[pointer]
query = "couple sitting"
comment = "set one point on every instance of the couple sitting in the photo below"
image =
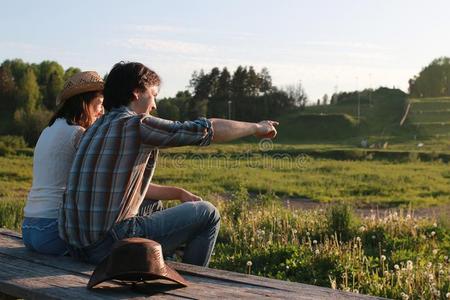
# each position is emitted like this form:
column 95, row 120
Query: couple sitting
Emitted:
column 92, row 172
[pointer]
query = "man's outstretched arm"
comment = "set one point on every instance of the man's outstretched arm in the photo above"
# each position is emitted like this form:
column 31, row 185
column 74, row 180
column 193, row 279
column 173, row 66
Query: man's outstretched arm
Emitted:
column 228, row 130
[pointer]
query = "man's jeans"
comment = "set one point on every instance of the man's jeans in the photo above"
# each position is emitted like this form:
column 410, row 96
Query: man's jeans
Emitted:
column 195, row 224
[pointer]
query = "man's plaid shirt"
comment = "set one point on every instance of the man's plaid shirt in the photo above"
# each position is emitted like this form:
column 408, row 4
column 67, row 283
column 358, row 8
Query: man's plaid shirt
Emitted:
column 113, row 168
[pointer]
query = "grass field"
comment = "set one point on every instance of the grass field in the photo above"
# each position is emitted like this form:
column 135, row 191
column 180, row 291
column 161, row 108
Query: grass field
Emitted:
column 215, row 171
column 391, row 253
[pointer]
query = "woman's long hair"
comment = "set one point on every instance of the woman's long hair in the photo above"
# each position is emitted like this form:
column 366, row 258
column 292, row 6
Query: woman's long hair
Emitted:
column 76, row 110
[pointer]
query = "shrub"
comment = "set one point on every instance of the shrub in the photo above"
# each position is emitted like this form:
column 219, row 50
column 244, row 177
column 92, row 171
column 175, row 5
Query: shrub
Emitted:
column 13, row 141
column 31, row 124
column 341, row 221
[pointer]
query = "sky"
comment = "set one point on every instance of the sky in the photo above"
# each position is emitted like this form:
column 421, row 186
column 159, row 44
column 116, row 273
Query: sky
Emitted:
column 335, row 45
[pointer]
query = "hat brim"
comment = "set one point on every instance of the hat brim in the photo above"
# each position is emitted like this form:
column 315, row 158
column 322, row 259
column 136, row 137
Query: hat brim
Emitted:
column 100, row 275
column 78, row 89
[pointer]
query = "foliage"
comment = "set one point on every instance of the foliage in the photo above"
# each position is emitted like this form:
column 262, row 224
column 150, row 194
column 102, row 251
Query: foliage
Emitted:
column 31, row 124
column 392, row 256
column 246, row 95
column 433, row 80
column 9, row 144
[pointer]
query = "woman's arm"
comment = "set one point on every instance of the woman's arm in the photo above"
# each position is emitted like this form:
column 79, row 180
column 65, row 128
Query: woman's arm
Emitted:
column 228, row 130
column 163, row 192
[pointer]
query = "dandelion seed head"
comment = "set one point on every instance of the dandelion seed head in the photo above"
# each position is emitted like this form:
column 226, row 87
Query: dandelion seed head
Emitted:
column 315, row 242
column 397, row 267
column 249, row 263
column 433, row 233
column 409, row 265
column 383, row 257
column 317, row 252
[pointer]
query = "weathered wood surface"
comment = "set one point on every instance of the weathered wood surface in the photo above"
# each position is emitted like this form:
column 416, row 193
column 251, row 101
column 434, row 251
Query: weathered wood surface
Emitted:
column 31, row 275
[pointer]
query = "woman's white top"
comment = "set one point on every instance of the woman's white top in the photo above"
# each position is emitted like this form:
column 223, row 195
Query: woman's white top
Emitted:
column 53, row 157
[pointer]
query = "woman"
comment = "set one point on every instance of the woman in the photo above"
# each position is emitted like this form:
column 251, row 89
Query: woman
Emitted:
column 79, row 105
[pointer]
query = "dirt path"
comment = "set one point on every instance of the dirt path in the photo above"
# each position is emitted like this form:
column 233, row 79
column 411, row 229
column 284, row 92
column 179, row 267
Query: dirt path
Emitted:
column 305, row 203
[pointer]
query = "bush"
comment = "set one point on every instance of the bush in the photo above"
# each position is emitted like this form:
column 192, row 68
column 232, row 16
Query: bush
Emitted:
column 5, row 150
column 13, row 141
column 31, row 124
column 341, row 221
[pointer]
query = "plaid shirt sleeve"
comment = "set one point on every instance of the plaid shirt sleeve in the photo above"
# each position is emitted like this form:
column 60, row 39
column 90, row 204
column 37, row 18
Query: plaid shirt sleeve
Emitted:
column 164, row 133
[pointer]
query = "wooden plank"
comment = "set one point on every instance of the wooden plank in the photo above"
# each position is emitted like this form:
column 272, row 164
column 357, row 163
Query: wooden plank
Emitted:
column 205, row 282
column 203, row 289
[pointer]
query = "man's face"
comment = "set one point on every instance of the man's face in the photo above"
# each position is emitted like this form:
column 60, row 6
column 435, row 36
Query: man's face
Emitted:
column 146, row 100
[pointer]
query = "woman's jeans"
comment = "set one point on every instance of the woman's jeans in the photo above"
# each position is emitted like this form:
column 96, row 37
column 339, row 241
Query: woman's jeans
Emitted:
column 41, row 235
column 195, row 224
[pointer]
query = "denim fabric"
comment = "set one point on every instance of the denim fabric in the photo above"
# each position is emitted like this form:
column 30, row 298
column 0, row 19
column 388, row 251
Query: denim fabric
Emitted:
column 150, row 206
column 41, row 235
column 195, row 224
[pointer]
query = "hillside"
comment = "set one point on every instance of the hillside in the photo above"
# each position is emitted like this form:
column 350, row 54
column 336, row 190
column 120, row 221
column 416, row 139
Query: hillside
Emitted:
column 429, row 117
column 379, row 119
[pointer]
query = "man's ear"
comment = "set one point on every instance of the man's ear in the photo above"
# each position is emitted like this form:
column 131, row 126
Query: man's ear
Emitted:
column 135, row 96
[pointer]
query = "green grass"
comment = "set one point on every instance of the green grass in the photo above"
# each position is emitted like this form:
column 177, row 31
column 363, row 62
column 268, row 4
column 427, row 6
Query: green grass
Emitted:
column 429, row 118
column 393, row 255
column 288, row 174
column 389, row 255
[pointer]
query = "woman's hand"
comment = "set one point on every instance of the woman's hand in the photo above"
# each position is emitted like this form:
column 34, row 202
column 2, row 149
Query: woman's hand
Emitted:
column 266, row 129
column 186, row 196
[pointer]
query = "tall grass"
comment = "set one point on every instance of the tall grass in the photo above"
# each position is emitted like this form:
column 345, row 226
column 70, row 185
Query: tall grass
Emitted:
column 394, row 255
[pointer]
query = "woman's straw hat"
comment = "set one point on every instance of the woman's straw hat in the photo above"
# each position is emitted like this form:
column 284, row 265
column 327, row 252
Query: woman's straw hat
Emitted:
column 79, row 83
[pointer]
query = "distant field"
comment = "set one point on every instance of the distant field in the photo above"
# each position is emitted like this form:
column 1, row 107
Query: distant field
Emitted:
column 296, row 175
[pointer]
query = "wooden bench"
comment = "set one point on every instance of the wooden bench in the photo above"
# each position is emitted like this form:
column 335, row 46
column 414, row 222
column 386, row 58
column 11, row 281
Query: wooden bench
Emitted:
column 29, row 275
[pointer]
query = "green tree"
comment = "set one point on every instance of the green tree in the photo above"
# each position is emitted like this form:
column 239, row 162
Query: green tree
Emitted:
column 433, row 80
column 53, row 87
column 17, row 67
column 253, row 82
column 8, row 89
column 238, row 82
column 70, row 72
column 265, row 81
column 50, row 79
column 28, row 92
column 167, row 109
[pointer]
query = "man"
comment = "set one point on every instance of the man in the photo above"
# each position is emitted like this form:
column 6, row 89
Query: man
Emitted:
column 113, row 168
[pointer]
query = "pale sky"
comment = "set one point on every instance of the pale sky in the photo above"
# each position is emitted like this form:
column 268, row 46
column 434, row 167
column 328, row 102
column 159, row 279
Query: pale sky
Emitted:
column 343, row 44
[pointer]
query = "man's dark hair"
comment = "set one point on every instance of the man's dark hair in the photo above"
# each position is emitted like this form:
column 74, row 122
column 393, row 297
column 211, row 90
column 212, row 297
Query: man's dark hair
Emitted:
column 124, row 78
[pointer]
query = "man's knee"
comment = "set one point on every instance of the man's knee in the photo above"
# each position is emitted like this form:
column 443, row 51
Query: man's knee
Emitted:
column 209, row 211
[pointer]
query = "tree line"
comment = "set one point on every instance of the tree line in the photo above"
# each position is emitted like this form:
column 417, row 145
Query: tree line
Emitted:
column 28, row 96
column 244, row 95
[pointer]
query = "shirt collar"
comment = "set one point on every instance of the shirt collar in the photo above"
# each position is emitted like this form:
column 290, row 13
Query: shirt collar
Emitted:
column 124, row 109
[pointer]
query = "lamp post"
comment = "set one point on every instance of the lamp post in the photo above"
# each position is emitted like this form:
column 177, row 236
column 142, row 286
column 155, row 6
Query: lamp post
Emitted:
column 359, row 100
column 229, row 109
